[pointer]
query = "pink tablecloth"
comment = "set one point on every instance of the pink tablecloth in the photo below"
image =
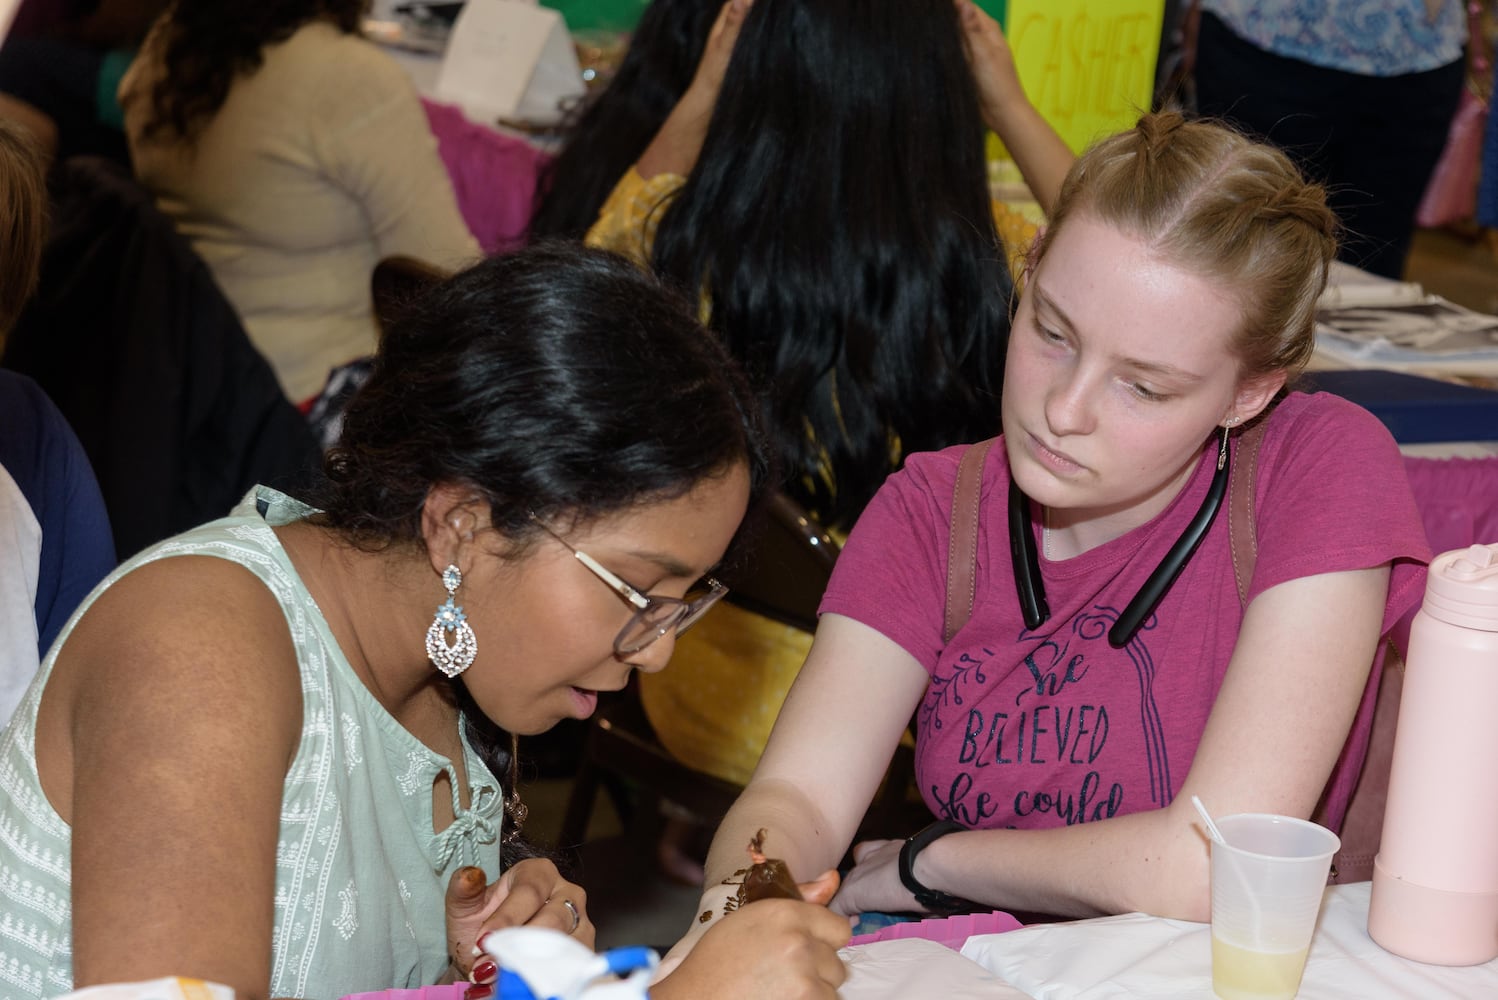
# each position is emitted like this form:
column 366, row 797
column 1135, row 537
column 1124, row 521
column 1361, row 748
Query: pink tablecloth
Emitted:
column 1458, row 501
column 455, row 991
column 494, row 176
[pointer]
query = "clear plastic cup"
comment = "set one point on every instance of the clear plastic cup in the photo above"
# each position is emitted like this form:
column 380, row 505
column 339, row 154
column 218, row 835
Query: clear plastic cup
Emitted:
column 1267, row 884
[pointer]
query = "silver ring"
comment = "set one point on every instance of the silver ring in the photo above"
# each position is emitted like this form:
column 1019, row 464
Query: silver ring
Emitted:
column 577, row 918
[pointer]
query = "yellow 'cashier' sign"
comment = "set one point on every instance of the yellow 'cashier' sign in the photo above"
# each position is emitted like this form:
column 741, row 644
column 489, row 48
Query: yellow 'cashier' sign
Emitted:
column 1088, row 66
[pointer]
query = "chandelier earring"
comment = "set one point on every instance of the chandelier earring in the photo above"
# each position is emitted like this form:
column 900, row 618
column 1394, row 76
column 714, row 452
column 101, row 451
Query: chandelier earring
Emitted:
column 455, row 656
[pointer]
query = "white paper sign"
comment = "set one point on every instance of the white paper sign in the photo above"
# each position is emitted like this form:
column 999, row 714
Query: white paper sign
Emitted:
column 509, row 59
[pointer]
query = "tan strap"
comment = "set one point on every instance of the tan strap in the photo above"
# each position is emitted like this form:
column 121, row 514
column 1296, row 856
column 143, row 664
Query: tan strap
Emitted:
column 1241, row 536
column 962, row 546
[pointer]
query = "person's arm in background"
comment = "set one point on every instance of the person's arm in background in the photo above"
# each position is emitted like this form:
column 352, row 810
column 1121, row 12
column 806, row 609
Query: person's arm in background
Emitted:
column 676, row 145
column 626, row 222
column 1042, row 156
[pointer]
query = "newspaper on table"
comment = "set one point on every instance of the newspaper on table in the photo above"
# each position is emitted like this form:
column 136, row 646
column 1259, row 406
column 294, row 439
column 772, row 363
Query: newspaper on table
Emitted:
column 1397, row 325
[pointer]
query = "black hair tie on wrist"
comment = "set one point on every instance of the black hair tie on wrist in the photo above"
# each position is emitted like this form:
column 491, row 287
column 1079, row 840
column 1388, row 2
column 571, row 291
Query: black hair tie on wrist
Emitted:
column 932, row 899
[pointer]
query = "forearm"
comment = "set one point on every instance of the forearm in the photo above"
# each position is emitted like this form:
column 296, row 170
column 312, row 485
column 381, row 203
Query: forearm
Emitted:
column 831, row 744
column 796, row 831
column 676, row 145
column 1154, row 861
column 1042, row 156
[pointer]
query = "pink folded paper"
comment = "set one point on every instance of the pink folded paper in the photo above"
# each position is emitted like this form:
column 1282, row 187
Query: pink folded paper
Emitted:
column 951, row 931
column 455, row 991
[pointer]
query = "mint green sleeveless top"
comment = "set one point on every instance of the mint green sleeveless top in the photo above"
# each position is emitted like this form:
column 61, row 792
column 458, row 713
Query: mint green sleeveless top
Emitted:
column 360, row 874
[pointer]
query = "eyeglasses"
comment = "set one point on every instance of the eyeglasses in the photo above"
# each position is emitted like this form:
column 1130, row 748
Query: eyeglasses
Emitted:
column 654, row 616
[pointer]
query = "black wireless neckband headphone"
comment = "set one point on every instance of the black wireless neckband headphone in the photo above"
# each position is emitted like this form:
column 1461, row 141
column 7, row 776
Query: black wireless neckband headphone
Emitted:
column 1031, row 587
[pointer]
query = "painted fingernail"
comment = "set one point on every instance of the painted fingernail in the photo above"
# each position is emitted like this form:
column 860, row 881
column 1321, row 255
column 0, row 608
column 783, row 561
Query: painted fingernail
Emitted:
column 485, row 971
column 480, row 992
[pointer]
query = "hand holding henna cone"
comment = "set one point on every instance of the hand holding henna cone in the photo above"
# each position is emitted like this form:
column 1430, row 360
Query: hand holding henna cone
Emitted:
column 767, row 878
column 770, row 878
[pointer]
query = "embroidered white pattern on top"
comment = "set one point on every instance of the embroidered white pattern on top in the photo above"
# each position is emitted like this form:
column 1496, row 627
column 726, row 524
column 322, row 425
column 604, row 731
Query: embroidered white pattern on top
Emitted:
column 417, row 777
column 347, row 921
column 405, row 897
column 353, row 755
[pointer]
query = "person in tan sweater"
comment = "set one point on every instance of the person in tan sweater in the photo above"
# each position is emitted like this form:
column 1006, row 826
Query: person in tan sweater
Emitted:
column 294, row 154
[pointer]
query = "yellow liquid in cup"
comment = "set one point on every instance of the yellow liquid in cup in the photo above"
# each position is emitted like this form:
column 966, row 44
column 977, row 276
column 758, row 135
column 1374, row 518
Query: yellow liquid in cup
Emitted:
column 1241, row 974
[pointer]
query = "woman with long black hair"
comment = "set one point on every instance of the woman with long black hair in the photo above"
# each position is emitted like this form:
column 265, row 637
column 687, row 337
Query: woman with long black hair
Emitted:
column 822, row 184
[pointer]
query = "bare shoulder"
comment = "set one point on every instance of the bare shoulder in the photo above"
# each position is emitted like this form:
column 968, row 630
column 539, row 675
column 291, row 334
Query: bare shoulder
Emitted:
column 199, row 628
column 193, row 646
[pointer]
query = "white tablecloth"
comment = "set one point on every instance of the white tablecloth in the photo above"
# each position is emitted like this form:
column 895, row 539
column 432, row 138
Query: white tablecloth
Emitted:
column 1140, row 956
column 916, row 969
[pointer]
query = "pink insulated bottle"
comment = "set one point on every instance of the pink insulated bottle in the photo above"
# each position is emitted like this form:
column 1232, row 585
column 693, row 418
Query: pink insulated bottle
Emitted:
column 1435, row 880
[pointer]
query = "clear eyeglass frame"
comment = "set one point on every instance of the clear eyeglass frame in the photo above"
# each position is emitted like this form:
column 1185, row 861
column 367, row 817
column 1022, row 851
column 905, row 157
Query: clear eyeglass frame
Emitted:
column 654, row 615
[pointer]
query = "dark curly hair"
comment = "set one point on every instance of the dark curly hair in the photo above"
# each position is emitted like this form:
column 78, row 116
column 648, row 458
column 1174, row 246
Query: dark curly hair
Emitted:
column 559, row 380
column 205, row 44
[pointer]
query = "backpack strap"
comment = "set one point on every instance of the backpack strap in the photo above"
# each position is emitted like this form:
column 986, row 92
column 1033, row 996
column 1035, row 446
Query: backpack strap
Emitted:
column 1244, row 542
column 962, row 546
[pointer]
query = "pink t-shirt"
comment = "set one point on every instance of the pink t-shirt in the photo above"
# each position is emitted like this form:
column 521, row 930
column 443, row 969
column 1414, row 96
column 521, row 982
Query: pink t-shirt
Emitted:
column 1038, row 729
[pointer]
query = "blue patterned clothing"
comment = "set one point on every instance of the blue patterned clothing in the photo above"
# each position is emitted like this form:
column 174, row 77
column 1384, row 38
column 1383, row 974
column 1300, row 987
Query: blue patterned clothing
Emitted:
column 360, row 874
column 1369, row 37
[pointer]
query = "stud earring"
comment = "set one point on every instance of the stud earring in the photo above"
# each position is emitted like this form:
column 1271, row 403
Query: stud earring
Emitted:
column 457, row 657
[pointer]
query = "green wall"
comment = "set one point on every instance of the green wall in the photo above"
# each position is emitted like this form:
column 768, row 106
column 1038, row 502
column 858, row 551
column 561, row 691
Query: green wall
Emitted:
column 599, row 15
column 621, row 15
